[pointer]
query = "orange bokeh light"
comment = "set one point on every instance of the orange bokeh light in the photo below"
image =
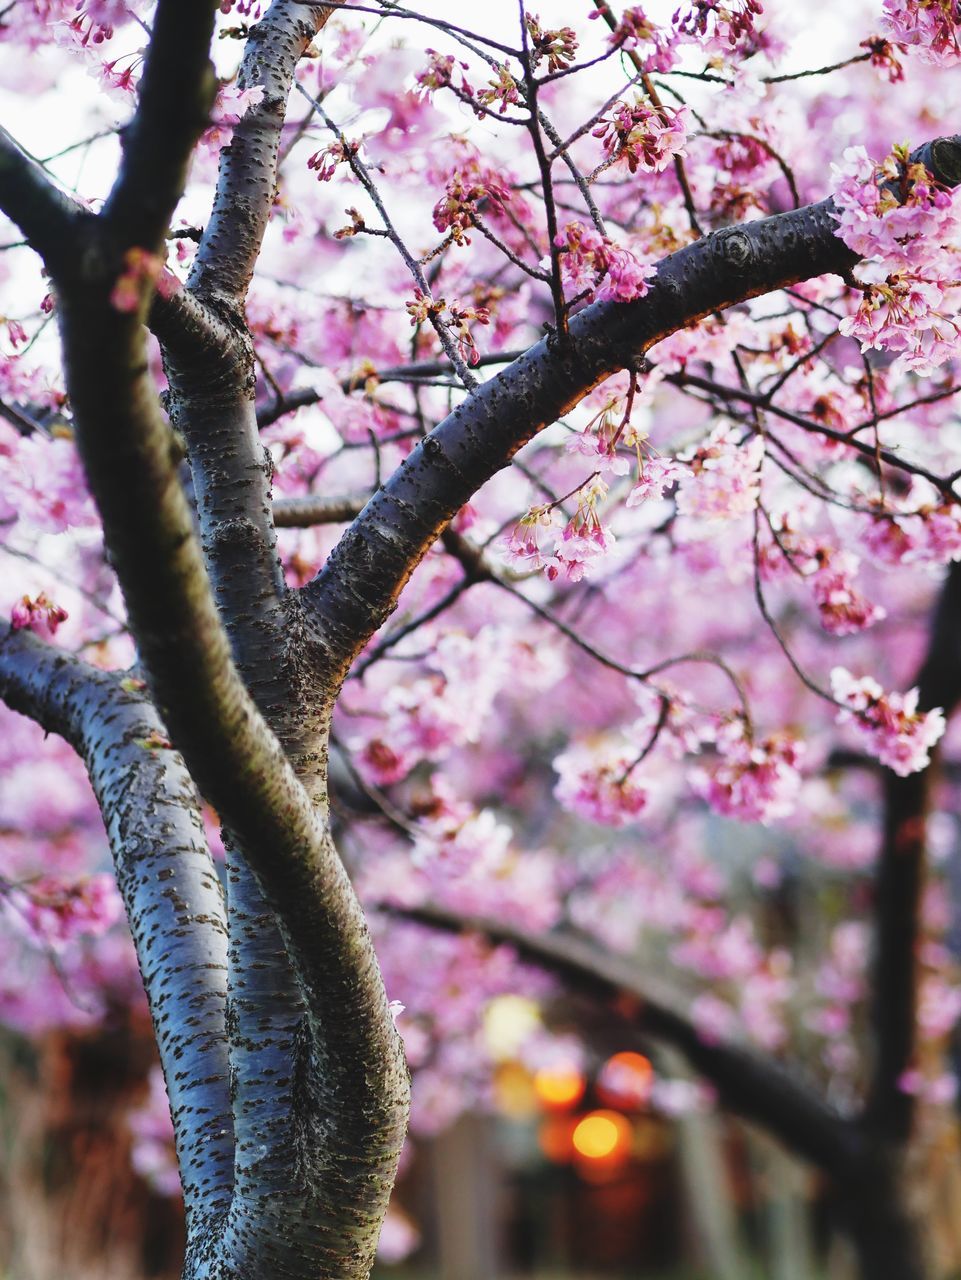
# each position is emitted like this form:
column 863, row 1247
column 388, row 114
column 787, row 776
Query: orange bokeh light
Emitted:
column 554, row 1138
column 559, row 1087
column 625, row 1080
column 601, row 1135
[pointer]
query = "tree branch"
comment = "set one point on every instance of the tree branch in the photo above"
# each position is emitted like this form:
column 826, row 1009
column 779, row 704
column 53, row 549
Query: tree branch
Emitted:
column 51, row 220
column 48, row 217
column 314, row 509
column 211, row 399
column 211, row 402
column 175, row 97
column 359, row 585
column 350, row 1080
column 301, row 397
column 754, row 1087
column 169, row 884
column 759, row 400
column 131, row 459
column 230, row 245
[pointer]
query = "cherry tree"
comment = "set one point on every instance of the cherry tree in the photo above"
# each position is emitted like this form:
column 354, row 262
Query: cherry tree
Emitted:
column 508, row 477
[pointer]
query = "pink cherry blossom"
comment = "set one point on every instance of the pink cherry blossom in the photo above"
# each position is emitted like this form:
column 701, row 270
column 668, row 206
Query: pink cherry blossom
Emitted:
column 907, row 230
column 929, row 28
column 889, row 725
column 644, row 137
column 635, row 31
column 843, row 610
column 755, row 782
column 595, row 781
column 594, row 266
column 230, row 106
column 657, row 475
column 722, row 480
column 54, row 912
column 37, row 614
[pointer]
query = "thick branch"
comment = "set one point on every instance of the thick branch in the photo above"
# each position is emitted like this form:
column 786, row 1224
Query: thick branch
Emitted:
column 313, row 509
column 247, row 183
column 50, row 219
column 191, row 332
column 211, row 402
column 359, row 585
column 131, row 463
column 900, row 882
column 47, row 216
column 361, row 580
column 351, row 1079
column 175, row 97
column 754, row 1087
column 169, row 884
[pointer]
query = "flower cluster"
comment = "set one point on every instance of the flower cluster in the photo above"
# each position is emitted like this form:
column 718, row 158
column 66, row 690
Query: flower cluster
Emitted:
column 642, row 136
column 839, row 985
column 577, row 547
column 929, row 28
column 326, row 161
column 468, row 186
column 424, row 720
column 596, row 781
column 655, row 476
column 43, row 482
column 636, row 32
column 593, row 266
column 828, row 570
column 721, row 22
column 440, row 75
column 55, row 912
column 584, row 539
column 923, row 529
column 37, row 614
column 603, row 433
column 140, row 270
column 503, row 89
column 754, row 781
column 523, row 549
column 889, row 725
column 230, row 106
column 723, row 476
column 842, row 608
column 906, row 229
column 611, row 428
column 461, row 318
column 884, row 56
column 558, row 46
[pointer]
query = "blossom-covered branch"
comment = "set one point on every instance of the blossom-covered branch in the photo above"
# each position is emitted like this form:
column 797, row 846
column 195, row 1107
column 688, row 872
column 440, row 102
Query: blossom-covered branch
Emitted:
column 757, row 1089
column 359, row 584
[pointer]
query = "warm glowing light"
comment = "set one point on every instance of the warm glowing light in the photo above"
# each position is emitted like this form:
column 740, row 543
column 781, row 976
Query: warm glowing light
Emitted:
column 625, row 1080
column 508, row 1021
column 602, row 1134
column 514, row 1091
column 559, row 1087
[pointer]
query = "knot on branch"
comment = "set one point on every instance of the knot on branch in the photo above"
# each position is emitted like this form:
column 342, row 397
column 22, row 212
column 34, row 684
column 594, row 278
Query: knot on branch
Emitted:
column 735, row 248
column 944, row 160
column 235, row 531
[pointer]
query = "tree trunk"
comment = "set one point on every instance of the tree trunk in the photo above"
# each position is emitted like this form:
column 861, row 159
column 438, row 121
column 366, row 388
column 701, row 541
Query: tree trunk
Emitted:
column 888, row 1238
